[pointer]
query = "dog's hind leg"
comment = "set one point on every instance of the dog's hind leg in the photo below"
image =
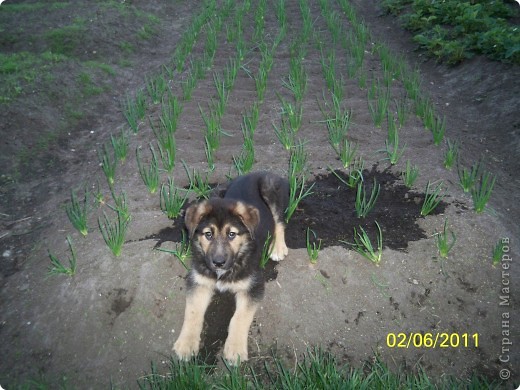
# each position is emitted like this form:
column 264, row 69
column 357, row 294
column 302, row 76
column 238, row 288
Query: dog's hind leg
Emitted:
column 275, row 192
column 197, row 301
column 235, row 348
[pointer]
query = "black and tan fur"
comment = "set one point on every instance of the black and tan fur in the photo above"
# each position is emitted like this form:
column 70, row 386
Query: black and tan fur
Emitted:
column 227, row 237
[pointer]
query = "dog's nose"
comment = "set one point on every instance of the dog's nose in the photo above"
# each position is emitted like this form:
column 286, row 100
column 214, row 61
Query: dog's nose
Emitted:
column 218, row 261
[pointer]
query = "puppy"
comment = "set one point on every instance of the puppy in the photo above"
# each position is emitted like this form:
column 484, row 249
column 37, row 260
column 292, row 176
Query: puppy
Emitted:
column 227, row 238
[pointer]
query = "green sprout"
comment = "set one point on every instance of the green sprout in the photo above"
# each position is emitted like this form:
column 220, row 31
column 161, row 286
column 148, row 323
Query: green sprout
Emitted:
column 78, row 212
column 363, row 205
column 182, row 250
column 313, row 245
column 482, row 190
column 443, row 244
column 114, row 232
column 432, row 198
column 363, row 245
column 172, row 201
column 57, row 267
column 410, row 174
column 150, row 176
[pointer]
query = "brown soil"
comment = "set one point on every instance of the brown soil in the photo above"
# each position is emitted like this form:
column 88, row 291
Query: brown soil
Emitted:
column 116, row 315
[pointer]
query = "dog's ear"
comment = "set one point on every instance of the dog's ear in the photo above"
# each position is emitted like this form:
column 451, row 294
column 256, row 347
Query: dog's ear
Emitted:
column 249, row 215
column 194, row 214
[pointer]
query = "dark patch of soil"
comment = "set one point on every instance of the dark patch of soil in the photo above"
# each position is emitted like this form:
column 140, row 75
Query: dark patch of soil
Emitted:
column 330, row 212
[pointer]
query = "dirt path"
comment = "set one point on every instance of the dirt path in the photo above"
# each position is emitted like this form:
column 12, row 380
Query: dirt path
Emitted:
column 116, row 315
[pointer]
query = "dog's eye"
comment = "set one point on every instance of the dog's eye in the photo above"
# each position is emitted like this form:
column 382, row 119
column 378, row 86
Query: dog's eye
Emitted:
column 208, row 235
column 232, row 235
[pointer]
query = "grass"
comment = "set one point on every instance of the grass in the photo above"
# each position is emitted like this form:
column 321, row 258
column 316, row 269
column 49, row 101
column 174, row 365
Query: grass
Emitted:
column 432, row 198
column 443, row 243
column 78, row 212
column 114, row 231
column 313, row 245
column 317, row 369
column 150, row 176
column 57, row 267
column 482, row 190
column 171, row 200
column 364, row 205
column 410, row 174
column 364, row 246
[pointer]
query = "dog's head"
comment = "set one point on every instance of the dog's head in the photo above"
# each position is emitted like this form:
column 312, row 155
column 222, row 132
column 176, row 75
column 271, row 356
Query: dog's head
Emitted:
column 221, row 230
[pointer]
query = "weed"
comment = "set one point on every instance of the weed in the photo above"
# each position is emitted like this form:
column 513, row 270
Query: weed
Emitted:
column 108, row 165
column 468, row 177
column 363, row 205
column 443, row 244
column 150, row 176
column 78, row 212
column 431, row 199
column 313, row 245
column 172, row 201
column 182, row 250
column 363, row 245
column 57, row 267
column 200, row 186
column 410, row 174
column 114, row 232
column 481, row 192
column 450, row 156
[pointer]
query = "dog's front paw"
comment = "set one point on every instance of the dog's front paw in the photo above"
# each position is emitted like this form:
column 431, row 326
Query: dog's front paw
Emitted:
column 279, row 250
column 186, row 347
column 235, row 352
